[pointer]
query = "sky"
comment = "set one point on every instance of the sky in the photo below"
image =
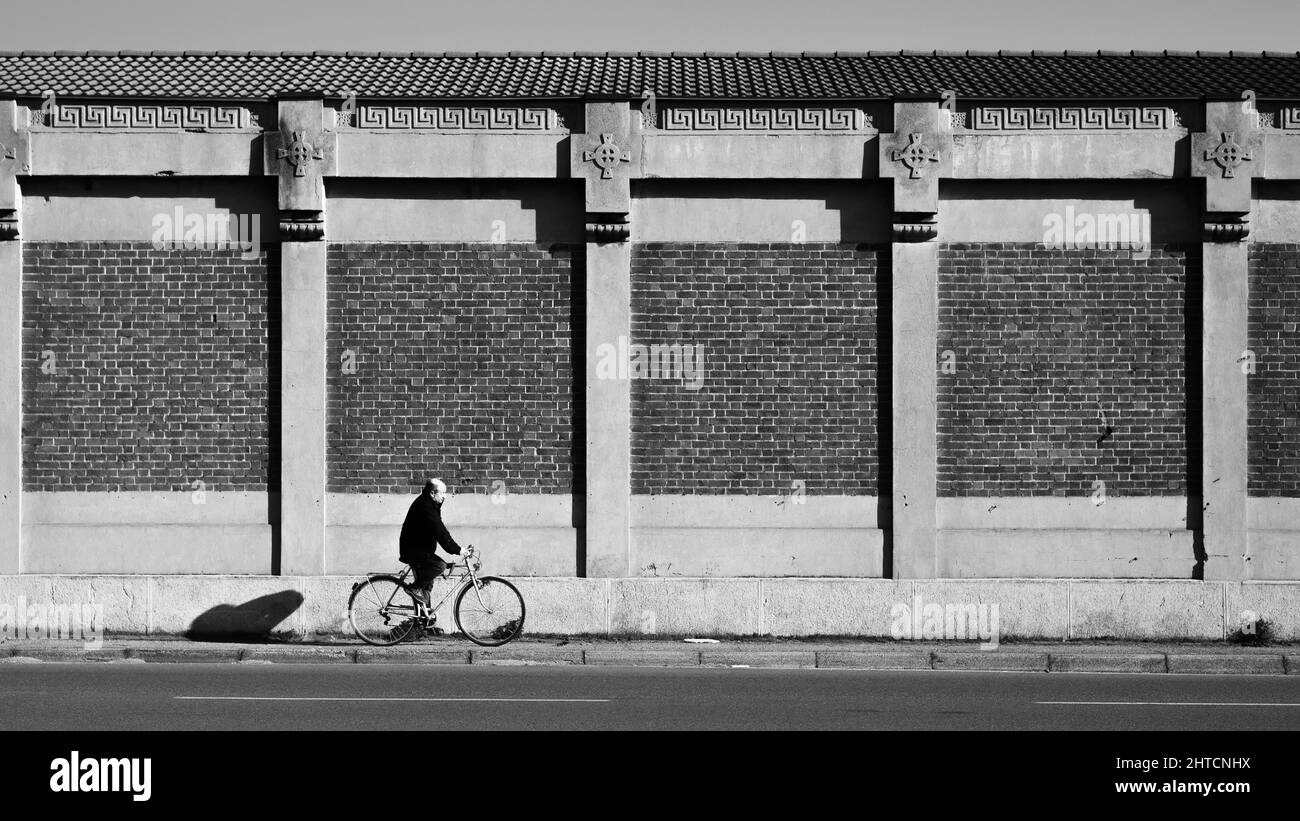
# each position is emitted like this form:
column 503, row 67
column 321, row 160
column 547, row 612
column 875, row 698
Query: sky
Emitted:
column 650, row 25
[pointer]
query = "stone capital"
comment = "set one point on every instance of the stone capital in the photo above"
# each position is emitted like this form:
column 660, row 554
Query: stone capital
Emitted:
column 301, row 154
column 15, row 159
column 606, row 157
column 916, row 154
column 1228, row 154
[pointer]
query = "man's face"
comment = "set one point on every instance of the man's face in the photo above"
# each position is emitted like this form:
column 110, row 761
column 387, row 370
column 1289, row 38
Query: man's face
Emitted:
column 439, row 494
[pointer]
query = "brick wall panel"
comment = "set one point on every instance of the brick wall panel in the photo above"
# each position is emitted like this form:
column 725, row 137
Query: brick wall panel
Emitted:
column 159, row 369
column 790, row 362
column 464, row 368
column 1051, row 347
column 1273, row 402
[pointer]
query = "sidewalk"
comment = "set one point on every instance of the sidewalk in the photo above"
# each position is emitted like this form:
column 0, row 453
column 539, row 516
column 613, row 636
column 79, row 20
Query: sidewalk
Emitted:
column 847, row 654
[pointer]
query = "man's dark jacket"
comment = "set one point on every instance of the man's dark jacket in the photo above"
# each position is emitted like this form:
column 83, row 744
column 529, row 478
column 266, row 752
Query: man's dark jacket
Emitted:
column 423, row 529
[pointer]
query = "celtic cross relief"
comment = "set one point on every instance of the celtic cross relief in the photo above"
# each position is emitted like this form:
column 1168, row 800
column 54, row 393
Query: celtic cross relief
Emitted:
column 606, row 156
column 299, row 154
column 1228, row 154
column 915, row 155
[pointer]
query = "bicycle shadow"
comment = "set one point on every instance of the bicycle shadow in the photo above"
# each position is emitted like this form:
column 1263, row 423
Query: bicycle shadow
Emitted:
column 256, row 619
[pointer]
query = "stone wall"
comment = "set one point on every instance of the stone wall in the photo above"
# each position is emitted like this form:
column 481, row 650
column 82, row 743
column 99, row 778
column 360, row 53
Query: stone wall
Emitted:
column 445, row 299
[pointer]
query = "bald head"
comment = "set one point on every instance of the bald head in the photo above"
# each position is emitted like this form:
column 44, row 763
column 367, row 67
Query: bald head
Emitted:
column 436, row 488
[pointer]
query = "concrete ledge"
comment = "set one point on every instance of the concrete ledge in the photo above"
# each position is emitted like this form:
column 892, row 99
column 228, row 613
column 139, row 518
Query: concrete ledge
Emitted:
column 644, row 658
column 531, row 655
column 812, row 607
column 74, row 652
column 1106, row 663
column 186, row 654
column 991, row 660
column 873, row 660
column 1229, row 664
column 1276, row 602
column 299, row 655
column 685, row 607
column 1179, row 610
column 1204, row 658
column 1027, row 609
column 412, row 655
column 745, row 658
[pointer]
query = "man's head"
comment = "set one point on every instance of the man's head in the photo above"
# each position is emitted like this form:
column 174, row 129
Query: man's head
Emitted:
column 436, row 489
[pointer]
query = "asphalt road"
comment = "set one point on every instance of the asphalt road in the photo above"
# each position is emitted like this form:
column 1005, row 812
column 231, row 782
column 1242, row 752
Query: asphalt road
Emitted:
column 126, row 696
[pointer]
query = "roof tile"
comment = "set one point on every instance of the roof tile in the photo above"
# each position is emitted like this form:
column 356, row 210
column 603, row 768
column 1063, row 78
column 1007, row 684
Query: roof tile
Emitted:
column 1005, row 74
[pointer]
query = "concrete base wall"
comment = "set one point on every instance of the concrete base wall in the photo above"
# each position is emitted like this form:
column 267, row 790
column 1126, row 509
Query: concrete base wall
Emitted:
column 519, row 534
column 673, row 536
column 1160, row 554
column 1028, row 608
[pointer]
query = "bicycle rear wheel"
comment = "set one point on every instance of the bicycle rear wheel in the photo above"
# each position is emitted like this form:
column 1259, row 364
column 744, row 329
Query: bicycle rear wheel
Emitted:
column 491, row 615
column 382, row 610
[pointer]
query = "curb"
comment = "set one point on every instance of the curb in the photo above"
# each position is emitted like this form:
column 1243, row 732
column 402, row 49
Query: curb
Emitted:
column 1022, row 661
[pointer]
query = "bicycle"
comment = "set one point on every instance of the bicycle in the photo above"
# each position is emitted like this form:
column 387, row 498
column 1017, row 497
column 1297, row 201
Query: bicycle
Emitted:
column 384, row 610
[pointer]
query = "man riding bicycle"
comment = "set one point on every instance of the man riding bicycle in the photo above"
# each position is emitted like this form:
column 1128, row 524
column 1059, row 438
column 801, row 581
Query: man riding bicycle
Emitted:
column 422, row 531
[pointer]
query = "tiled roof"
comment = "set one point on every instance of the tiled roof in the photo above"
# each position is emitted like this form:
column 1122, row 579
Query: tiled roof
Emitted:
column 670, row 75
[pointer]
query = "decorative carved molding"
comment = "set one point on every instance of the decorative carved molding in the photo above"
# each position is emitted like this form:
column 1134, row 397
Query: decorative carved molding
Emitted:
column 606, row 155
column 1228, row 154
column 299, row 154
column 302, row 226
column 452, row 118
column 915, row 155
column 146, row 117
column 8, row 224
column 1225, row 227
column 915, row 231
column 608, row 228
column 1072, row 118
column 719, row 118
column 1291, row 118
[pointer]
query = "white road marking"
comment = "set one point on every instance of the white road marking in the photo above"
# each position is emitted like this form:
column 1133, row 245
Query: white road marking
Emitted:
column 385, row 698
column 1174, row 703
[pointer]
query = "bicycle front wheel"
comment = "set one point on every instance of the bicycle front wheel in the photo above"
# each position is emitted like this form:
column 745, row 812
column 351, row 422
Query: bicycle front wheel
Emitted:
column 382, row 610
column 490, row 614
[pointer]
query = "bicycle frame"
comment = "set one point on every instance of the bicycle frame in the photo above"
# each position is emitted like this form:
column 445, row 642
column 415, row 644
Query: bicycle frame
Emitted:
column 468, row 575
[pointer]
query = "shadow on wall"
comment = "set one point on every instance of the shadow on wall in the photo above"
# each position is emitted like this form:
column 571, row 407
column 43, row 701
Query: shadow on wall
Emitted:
column 255, row 619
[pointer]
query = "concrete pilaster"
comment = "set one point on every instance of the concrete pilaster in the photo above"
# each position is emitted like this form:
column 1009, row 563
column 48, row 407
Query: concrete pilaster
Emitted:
column 11, row 405
column 606, row 157
column 1225, row 306
column 1228, row 154
column 302, row 421
column 916, row 155
column 14, row 159
column 608, row 412
column 915, row 417
column 301, row 154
